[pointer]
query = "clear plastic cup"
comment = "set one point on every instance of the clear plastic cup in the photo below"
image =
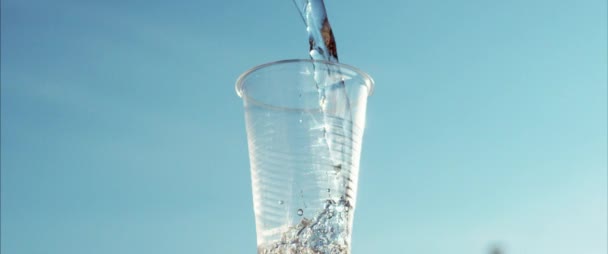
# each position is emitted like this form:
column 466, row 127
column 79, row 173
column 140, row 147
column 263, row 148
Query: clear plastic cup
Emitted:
column 304, row 152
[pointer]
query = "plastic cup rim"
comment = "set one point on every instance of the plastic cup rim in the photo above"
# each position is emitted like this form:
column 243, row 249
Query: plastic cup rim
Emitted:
column 369, row 82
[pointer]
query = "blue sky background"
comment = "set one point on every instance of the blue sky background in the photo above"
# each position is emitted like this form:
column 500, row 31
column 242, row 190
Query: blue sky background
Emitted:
column 122, row 133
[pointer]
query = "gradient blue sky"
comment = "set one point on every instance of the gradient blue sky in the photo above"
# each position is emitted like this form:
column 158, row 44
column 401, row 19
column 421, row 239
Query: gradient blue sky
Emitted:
column 122, row 133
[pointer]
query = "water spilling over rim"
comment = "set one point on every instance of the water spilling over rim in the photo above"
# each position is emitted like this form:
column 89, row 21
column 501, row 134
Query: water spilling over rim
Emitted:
column 369, row 82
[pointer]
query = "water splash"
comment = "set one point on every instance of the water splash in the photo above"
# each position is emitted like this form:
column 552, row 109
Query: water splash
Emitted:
column 327, row 232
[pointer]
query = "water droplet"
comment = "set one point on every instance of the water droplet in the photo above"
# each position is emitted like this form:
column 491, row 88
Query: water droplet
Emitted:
column 281, row 202
column 300, row 212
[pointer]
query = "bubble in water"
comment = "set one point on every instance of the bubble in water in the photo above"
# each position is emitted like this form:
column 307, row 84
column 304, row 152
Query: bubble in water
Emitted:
column 330, row 214
column 329, row 203
column 322, row 102
column 300, row 212
column 300, row 120
column 340, row 208
column 338, row 168
column 281, row 202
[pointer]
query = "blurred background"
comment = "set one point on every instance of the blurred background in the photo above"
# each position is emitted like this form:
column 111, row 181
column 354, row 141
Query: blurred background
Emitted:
column 121, row 131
